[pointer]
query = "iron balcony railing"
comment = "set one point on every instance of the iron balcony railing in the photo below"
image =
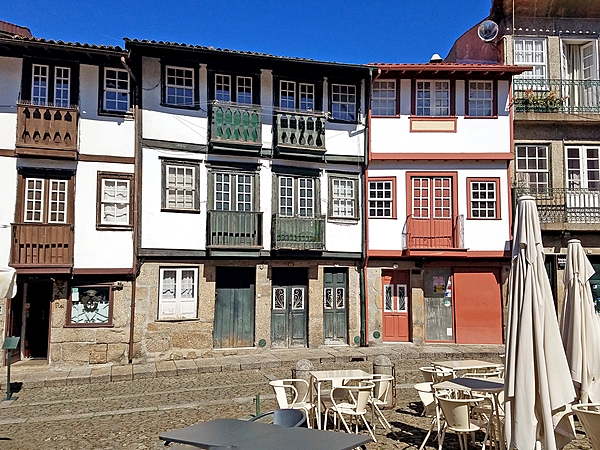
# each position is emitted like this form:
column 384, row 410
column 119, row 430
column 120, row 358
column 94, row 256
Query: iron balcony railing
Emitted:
column 235, row 124
column 565, row 96
column 301, row 129
column 41, row 128
column 434, row 233
column 234, row 229
column 36, row 244
column 556, row 205
column 298, row 233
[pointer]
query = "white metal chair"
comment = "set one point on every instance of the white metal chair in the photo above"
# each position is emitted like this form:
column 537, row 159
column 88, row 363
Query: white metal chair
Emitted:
column 285, row 389
column 457, row 418
column 379, row 399
column 589, row 416
column 355, row 406
column 430, row 409
column 436, row 374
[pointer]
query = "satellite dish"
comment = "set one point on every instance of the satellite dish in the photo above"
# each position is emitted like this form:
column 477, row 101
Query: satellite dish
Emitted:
column 487, row 30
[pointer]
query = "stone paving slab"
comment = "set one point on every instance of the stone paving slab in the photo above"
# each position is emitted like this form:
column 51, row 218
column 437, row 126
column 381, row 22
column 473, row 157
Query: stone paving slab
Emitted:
column 100, row 374
column 166, row 369
column 186, row 367
column 141, row 371
column 208, row 365
column 121, row 373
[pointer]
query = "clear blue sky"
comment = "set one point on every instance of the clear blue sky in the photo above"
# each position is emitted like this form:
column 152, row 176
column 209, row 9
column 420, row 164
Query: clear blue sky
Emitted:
column 351, row 31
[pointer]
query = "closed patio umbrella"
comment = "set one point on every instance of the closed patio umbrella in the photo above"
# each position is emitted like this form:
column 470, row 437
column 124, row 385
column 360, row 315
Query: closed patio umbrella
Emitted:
column 538, row 387
column 580, row 325
column 8, row 282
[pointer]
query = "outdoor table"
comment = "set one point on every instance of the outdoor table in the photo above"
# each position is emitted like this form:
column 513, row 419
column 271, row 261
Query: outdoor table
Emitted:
column 466, row 364
column 319, row 376
column 492, row 386
column 244, row 435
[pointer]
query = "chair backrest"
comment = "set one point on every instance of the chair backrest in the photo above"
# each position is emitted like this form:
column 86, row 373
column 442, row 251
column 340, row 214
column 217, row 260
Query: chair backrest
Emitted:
column 589, row 416
column 490, row 374
column 457, row 412
column 289, row 418
column 436, row 374
column 383, row 385
column 427, row 397
column 359, row 394
column 282, row 388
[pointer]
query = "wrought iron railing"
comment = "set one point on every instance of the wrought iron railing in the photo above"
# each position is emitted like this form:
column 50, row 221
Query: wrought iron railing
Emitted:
column 46, row 127
column 546, row 96
column 37, row 244
column 236, row 124
column 557, row 205
column 301, row 129
column 298, row 233
column 434, row 233
column 234, row 229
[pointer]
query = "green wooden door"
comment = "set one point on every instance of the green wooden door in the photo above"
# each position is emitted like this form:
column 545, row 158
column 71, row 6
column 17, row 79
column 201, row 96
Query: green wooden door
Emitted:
column 234, row 308
column 335, row 301
column 288, row 308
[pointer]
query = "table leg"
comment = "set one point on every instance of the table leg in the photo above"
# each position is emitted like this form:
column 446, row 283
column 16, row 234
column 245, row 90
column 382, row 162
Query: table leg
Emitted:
column 500, row 427
column 319, row 425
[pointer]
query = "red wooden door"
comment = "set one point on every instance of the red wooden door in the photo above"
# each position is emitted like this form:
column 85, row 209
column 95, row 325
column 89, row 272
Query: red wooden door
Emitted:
column 395, row 306
column 431, row 224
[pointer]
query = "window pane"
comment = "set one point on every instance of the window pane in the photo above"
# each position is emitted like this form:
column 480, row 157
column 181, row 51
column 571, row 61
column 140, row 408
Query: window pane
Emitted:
column 179, row 86
column 384, row 98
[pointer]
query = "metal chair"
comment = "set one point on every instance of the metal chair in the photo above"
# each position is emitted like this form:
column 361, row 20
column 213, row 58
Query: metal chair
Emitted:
column 589, row 416
column 285, row 389
column 430, row 409
column 436, row 374
column 355, row 406
column 379, row 398
column 289, row 418
column 457, row 418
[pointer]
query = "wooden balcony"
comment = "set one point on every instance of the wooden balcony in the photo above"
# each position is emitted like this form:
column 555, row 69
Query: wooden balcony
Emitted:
column 235, row 126
column 298, row 233
column 300, row 132
column 46, row 131
column 42, row 246
column 564, row 207
column 234, row 230
column 434, row 233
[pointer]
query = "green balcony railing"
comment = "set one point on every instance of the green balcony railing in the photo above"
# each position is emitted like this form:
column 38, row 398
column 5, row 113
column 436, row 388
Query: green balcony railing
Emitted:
column 298, row 233
column 547, row 96
column 301, row 129
column 559, row 205
column 235, row 124
column 234, row 229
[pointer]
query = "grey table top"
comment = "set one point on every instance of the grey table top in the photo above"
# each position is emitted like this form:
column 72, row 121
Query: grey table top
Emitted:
column 240, row 434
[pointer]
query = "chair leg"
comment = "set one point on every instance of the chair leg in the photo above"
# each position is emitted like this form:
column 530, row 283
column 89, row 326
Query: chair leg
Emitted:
column 384, row 423
column 441, row 442
column 344, row 422
column 366, row 425
column 428, row 434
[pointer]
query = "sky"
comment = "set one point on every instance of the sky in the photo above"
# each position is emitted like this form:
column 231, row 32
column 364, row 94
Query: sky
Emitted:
column 350, row 31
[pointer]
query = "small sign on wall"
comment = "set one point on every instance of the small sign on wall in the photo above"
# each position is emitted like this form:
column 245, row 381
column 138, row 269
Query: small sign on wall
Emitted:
column 561, row 262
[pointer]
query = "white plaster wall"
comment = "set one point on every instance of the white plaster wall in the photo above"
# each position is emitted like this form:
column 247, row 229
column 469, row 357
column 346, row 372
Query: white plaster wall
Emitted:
column 345, row 139
column 8, row 196
column 266, row 195
column 10, row 87
column 480, row 235
column 392, row 135
column 101, row 135
column 171, row 124
column 96, row 249
column 340, row 235
column 170, row 230
column 266, row 101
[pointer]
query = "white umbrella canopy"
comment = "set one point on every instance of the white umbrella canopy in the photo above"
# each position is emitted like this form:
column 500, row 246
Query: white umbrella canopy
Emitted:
column 538, row 387
column 8, row 282
column 580, row 325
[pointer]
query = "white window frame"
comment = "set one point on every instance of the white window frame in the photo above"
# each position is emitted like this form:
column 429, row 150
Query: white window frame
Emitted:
column 182, row 189
column 52, row 204
column 529, row 163
column 384, row 98
column 481, row 98
column 183, row 86
column 395, row 289
column 222, row 87
column 486, row 204
column 178, row 306
column 40, row 84
column 295, row 190
column 588, row 167
column 532, row 56
column 433, row 98
column 381, row 199
column 306, row 96
column 62, row 94
column 119, row 87
column 289, row 89
column 243, row 89
column 343, row 196
column 34, row 206
column 115, row 203
column 343, row 102
column 236, row 189
column 57, row 206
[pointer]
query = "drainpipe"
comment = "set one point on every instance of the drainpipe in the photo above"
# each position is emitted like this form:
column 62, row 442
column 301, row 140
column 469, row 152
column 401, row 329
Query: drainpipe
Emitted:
column 137, row 168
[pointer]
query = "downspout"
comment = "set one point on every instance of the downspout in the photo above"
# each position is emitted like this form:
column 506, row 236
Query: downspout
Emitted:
column 136, row 183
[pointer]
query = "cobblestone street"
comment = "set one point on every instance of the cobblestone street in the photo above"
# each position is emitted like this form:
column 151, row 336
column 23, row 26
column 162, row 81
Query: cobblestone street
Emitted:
column 131, row 414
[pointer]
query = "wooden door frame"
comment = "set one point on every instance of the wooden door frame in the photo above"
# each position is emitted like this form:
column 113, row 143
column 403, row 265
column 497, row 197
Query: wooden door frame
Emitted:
column 392, row 274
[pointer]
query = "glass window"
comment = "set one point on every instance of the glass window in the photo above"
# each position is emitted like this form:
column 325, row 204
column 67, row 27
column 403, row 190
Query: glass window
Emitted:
column 178, row 293
column 381, row 198
column 90, row 305
column 305, row 197
column 433, row 98
column 307, row 97
column 343, row 198
column 115, row 200
column 223, row 88
column 531, row 52
column 244, row 90
column 180, row 185
column 532, row 166
column 583, row 168
column 384, row 98
column 286, row 196
column 39, row 85
column 296, row 196
column 483, row 199
column 343, row 102
column 57, row 202
column 45, row 200
column 62, row 77
column 179, row 86
column 287, row 94
column 481, row 94
column 116, row 90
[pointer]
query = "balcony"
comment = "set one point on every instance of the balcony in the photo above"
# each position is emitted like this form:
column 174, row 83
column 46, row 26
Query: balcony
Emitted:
column 235, row 126
column 300, row 133
column 434, row 233
column 46, row 131
column 298, row 233
column 560, row 206
column 41, row 246
column 533, row 95
column 234, row 230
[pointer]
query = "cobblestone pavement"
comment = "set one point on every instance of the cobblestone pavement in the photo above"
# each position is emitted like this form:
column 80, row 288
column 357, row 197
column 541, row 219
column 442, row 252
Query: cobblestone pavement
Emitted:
column 131, row 414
